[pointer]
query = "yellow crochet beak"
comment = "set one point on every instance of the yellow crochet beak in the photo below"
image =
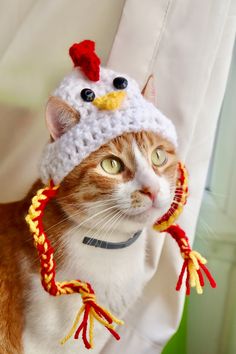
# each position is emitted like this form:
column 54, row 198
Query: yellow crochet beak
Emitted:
column 110, row 101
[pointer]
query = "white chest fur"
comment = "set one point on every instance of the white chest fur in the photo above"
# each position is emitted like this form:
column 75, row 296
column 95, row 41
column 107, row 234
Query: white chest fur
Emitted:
column 117, row 276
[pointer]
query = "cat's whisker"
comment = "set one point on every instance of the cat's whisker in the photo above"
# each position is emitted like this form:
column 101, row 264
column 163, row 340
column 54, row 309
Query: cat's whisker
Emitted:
column 71, row 216
column 116, row 222
column 119, row 215
column 91, row 205
column 68, row 217
column 65, row 239
column 111, row 200
column 96, row 202
column 101, row 221
column 104, row 225
column 102, row 237
column 77, row 227
column 97, row 232
column 101, row 200
column 59, row 198
column 123, row 213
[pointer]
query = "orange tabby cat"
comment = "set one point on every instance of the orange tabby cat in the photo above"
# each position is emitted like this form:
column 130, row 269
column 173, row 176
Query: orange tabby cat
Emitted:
column 118, row 190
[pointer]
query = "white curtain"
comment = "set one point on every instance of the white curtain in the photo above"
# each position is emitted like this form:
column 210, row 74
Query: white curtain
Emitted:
column 187, row 44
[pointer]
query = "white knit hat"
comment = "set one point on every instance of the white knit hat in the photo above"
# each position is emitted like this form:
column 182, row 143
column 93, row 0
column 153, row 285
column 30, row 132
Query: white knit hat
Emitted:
column 109, row 104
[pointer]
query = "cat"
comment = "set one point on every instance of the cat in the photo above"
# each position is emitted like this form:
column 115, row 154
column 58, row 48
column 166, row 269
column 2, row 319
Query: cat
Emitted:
column 113, row 194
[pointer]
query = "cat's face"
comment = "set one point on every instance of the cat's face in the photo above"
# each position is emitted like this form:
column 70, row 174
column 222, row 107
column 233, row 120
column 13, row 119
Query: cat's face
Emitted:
column 129, row 180
column 125, row 184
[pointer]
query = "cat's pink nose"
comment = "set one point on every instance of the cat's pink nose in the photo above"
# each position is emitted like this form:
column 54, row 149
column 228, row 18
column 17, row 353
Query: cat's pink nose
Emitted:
column 146, row 191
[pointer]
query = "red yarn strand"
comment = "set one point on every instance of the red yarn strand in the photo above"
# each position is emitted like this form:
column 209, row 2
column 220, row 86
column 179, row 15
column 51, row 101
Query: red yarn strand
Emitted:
column 188, row 289
column 114, row 333
column 102, row 313
column 180, row 280
column 84, row 327
column 201, row 278
column 208, row 274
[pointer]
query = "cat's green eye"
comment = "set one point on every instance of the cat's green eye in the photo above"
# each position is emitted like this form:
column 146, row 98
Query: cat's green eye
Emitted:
column 159, row 157
column 112, row 165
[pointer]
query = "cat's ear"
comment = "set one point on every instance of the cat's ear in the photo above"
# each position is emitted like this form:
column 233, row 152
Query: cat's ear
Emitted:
column 149, row 90
column 60, row 117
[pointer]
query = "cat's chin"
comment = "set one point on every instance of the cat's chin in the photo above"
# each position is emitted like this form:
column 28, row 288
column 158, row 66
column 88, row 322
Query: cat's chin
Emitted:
column 147, row 217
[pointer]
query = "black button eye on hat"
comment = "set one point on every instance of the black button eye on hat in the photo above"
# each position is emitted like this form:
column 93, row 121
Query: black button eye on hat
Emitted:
column 87, row 95
column 120, row 83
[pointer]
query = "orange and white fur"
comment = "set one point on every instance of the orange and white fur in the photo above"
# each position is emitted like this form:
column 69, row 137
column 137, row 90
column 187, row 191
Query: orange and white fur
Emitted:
column 118, row 190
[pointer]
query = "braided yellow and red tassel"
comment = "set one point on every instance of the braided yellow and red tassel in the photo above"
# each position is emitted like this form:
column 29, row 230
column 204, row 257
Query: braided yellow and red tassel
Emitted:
column 194, row 264
column 90, row 309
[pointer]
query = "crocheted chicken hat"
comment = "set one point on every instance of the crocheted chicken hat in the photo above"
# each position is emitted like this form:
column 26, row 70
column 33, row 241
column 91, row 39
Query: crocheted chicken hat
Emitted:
column 108, row 104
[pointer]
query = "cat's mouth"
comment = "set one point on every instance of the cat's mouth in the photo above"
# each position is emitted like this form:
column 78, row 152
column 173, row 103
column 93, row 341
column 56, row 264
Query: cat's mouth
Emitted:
column 146, row 216
column 140, row 214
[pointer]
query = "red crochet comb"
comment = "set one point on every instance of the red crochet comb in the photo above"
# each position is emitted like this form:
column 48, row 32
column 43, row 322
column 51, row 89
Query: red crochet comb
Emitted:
column 83, row 55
